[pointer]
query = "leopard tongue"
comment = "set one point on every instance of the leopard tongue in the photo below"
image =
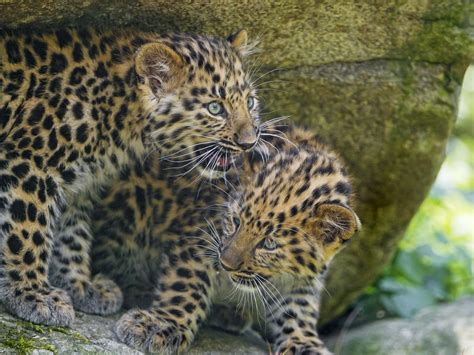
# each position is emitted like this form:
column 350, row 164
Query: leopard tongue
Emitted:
column 223, row 162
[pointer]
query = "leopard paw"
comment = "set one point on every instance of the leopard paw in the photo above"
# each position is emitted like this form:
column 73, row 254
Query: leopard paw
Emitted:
column 145, row 331
column 46, row 305
column 98, row 296
column 302, row 347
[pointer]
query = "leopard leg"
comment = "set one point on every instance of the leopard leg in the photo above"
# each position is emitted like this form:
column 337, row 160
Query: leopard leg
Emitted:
column 70, row 269
column 180, row 304
column 29, row 201
column 292, row 323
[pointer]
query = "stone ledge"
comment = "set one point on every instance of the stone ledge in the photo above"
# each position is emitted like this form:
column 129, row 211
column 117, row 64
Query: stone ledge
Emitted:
column 446, row 329
column 93, row 334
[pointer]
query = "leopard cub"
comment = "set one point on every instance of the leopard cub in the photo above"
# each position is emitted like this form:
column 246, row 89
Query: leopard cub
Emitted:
column 77, row 106
column 266, row 233
column 282, row 227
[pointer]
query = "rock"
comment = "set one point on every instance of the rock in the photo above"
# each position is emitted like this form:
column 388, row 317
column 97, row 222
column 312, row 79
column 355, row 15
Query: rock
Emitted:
column 211, row 341
column 89, row 334
column 378, row 79
column 442, row 330
column 93, row 334
column 292, row 33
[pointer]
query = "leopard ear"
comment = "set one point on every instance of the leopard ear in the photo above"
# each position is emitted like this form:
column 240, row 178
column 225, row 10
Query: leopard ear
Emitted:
column 161, row 67
column 335, row 222
column 238, row 40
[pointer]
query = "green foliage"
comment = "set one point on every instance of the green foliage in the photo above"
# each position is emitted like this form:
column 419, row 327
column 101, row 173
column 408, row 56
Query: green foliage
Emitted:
column 434, row 261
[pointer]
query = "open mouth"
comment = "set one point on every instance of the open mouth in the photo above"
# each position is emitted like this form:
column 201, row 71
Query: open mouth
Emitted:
column 214, row 157
column 224, row 163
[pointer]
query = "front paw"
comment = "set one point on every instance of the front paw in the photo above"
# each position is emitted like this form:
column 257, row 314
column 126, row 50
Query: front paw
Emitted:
column 143, row 330
column 297, row 346
column 98, row 296
column 46, row 305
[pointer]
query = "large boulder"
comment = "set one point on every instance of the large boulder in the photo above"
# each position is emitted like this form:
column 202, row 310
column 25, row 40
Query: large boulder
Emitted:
column 378, row 79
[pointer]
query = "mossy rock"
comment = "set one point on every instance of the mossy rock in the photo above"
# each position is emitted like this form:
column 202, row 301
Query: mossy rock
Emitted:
column 94, row 335
column 379, row 80
column 444, row 330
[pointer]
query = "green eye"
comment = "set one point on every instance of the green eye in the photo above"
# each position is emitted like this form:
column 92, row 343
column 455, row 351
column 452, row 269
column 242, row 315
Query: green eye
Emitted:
column 250, row 102
column 269, row 244
column 215, row 108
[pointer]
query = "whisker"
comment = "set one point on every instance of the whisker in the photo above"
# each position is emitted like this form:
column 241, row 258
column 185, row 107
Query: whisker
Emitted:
column 277, row 299
column 199, row 162
column 279, row 81
column 267, row 142
column 190, row 151
column 274, row 120
column 283, row 138
column 264, row 75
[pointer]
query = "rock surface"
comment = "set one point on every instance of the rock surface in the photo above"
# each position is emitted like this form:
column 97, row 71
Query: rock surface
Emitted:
column 441, row 330
column 93, row 334
column 378, row 79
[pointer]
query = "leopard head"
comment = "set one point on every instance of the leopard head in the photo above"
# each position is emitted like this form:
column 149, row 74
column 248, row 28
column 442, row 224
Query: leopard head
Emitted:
column 290, row 219
column 201, row 105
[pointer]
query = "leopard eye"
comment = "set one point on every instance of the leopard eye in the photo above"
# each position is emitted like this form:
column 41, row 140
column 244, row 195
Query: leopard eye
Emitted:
column 236, row 221
column 215, row 108
column 269, row 244
column 250, row 102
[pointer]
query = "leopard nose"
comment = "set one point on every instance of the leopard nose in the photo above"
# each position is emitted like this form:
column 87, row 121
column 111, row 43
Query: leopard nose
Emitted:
column 245, row 142
column 231, row 260
column 229, row 267
column 246, row 146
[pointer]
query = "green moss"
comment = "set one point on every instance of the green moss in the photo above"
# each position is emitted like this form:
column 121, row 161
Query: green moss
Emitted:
column 440, row 42
column 42, row 329
column 454, row 11
column 18, row 339
column 32, row 326
column 24, row 337
column 442, row 38
column 72, row 333
column 15, row 339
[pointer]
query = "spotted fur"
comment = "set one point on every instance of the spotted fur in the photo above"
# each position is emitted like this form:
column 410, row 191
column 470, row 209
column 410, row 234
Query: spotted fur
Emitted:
column 76, row 105
column 259, row 243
